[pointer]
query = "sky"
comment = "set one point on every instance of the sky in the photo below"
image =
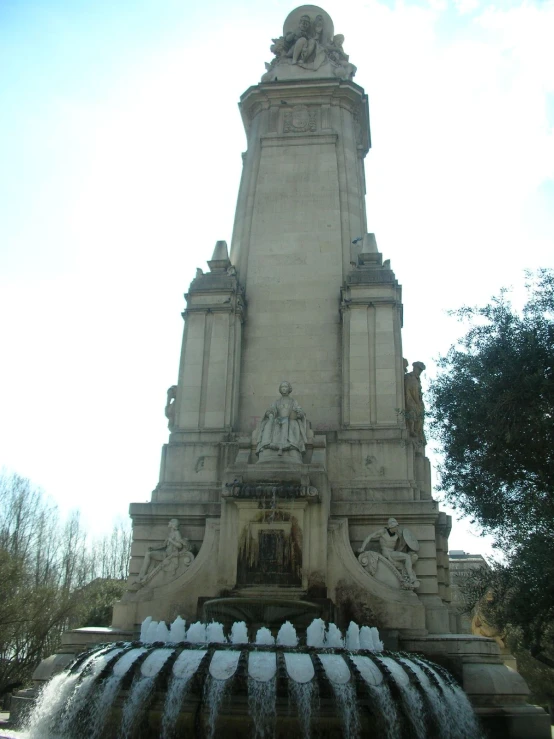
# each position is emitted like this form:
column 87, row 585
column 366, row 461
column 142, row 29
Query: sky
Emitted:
column 120, row 159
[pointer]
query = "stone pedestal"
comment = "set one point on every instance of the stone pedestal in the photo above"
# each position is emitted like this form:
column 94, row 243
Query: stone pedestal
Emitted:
column 497, row 692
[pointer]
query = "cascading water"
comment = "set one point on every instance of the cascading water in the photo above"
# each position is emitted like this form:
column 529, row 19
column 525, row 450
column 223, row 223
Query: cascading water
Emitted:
column 142, row 686
column 184, row 668
column 164, row 686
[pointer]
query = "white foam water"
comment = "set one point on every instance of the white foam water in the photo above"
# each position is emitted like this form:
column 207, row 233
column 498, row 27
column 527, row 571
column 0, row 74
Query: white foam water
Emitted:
column 304, row 695
column 345, row 695
column 465, row 725
column 411, row 698
column 80, row 697
column 78, row 703
column 262, row 666
column 177, row 630
column 214, row 633
column 261, row 706
column 105, row 697
column 138, row 695
column 333, row 637
column 214, row 693
column 315, row 633
column 286, row 636
column 51, row 699
column 184, row 668
column 59, row 697
column 263, row 636
column 300, row 667
column 239, row 633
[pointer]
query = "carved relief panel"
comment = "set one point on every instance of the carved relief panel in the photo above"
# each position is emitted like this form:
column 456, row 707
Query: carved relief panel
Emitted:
column 300, row 120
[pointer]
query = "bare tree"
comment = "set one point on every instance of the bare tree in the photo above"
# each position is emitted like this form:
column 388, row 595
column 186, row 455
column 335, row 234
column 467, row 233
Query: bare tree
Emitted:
column 50, row 578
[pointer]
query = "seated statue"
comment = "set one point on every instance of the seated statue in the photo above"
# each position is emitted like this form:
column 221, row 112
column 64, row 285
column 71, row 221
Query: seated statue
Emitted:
column 170, row 550
column 283, row 427
column 301, row 44
column 398, row 547
column 308, row 44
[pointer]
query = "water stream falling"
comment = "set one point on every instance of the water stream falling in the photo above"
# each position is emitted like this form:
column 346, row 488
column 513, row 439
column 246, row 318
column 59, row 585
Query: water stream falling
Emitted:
column 142, row 687
column 411, row 698
column 186, row 665
column 180, row 673
column 108, row 690
column 262, row 693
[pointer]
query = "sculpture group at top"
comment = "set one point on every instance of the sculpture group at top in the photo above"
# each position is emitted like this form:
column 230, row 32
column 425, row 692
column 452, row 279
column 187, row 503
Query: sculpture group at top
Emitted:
column 308, row 47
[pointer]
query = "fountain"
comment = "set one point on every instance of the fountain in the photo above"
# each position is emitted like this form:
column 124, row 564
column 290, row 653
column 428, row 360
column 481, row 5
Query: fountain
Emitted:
column 283, row 517
column 216, row 685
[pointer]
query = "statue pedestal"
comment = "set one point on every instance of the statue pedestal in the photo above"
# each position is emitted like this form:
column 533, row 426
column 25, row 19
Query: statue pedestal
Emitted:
column 272, row 456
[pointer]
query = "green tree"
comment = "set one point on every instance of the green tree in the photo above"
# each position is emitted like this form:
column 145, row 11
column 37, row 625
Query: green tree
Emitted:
column 492, row 412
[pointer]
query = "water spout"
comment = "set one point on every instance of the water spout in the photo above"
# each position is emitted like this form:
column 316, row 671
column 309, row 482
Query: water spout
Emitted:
column 239, row 633
column 177, row 631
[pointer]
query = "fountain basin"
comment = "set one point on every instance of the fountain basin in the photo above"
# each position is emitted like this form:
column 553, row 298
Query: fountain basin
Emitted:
column 259, row 689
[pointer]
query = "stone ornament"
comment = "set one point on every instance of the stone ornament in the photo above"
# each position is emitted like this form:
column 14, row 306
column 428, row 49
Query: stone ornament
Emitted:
column 269, row 490
column 398, row 549
column 173, row 557
column 283, row 430
column 170, row 406
column 415, row 409
column 308, row 48
column 299, row 120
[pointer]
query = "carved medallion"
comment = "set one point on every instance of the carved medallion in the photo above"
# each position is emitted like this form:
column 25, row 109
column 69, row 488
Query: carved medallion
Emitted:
column 300, row 120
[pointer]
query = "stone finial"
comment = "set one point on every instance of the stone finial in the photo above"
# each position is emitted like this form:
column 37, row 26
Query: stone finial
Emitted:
column 369, row 255
column 369, row 245
column 308, row 48
column 220, row 261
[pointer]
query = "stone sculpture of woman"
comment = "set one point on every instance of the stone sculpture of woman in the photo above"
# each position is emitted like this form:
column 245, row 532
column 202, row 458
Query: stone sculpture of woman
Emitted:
column 283, row 429
column 415, row 409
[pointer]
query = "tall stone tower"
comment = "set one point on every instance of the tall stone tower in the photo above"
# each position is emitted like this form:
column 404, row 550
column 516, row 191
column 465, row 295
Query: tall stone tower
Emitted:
column 319, row 502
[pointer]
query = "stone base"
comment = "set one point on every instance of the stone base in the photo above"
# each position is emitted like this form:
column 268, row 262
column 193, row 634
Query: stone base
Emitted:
column 274, row 456
column 498, row 693
column 515, row 722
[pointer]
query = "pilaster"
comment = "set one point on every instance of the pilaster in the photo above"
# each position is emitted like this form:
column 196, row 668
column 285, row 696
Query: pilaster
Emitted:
column 207, row 390
column 371, row 311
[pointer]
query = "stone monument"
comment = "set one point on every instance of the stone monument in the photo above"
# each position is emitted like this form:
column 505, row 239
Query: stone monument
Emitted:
column 321, row 504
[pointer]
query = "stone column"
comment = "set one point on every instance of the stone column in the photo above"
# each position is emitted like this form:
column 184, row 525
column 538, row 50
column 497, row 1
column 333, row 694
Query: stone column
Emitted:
column 371, row 310
column 210, row 359
column 207, row 390
column 300, row 207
